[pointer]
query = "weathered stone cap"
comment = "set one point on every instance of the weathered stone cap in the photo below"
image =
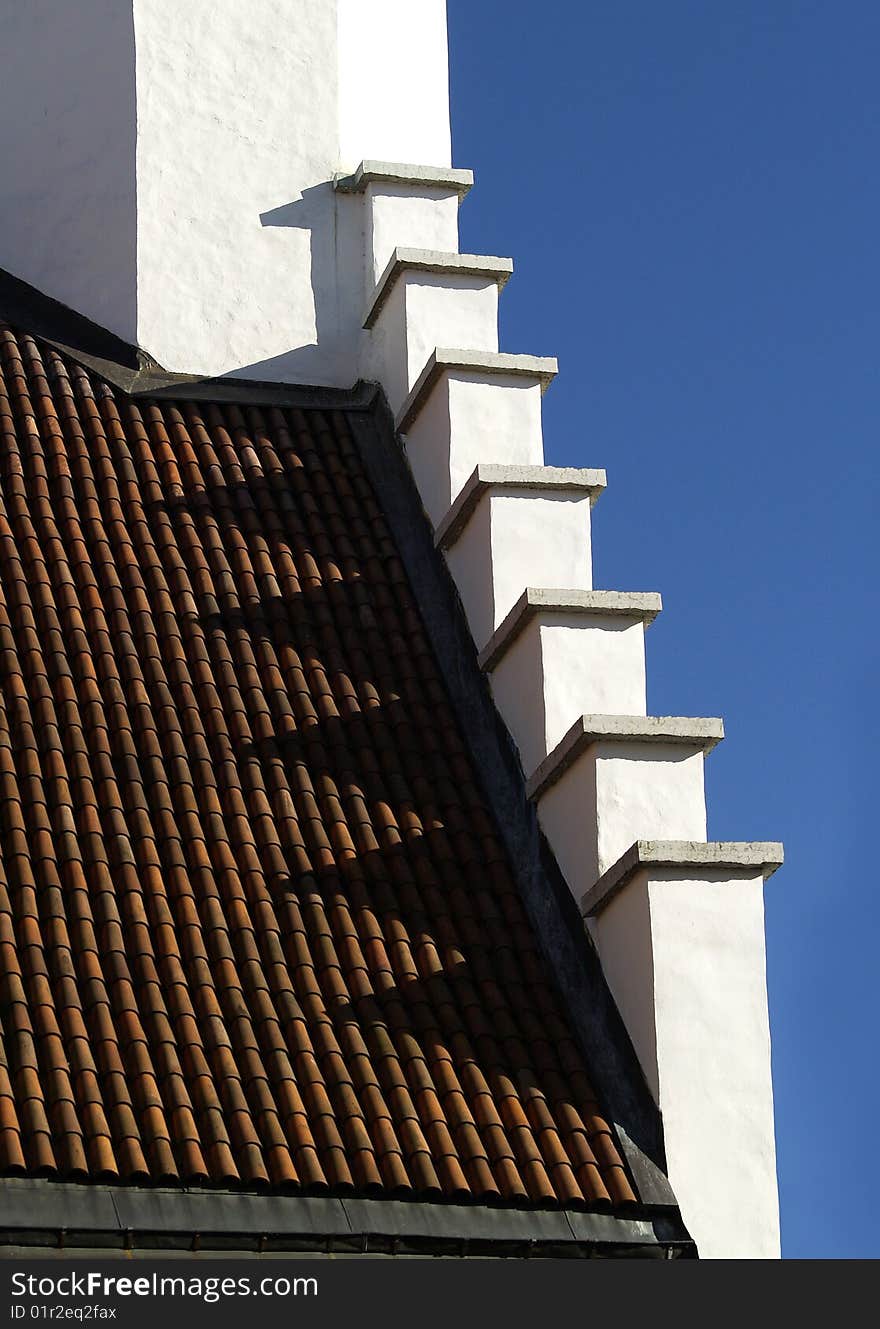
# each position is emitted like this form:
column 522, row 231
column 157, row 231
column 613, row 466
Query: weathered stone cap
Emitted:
column 589, row 729
column 486, row 476
column 404, row 173
column 743, row 858
column 644, row 605
column 542, row 368
column 435, row 261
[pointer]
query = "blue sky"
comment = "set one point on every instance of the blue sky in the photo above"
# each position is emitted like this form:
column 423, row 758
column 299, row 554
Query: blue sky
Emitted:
column 690, row 192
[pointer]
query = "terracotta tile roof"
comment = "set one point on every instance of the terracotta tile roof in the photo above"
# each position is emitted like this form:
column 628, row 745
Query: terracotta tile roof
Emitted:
column 256, row 924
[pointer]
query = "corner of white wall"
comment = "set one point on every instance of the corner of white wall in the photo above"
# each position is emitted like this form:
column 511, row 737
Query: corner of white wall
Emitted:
column 393, row 82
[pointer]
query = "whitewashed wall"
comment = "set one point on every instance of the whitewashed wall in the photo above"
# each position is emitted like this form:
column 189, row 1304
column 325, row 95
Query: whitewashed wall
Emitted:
column 168, row 167
column 683, row 951
column 67, row 152
column 393, row 82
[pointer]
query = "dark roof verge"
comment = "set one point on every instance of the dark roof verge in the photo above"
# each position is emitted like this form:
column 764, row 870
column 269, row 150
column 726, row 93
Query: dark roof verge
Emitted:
column 548, row 901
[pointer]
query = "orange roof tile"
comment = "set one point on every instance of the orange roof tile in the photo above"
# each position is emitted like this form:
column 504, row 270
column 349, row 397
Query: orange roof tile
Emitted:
column 256, row 924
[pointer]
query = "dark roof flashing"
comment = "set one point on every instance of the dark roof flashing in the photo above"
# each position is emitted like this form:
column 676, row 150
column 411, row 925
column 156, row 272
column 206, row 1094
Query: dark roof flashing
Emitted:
column 135, row 372
column 42, row 1215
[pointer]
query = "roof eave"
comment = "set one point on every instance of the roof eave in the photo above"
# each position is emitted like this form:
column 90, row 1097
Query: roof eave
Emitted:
column 40, row 1215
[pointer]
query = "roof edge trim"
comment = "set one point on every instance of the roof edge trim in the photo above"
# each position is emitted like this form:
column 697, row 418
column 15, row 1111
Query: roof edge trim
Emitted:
column 559, row 927
column 44, row 1212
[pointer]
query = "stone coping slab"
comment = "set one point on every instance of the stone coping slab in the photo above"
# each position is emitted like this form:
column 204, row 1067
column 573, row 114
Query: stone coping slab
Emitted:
column 589, row 729
column 487, row 477
column 404, row 173
column 439, row 263
column 445, row 360
column 739, row 857
column 644, row 605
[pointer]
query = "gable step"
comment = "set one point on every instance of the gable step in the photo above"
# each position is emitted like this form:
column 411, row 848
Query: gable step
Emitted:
column 679, row 929
column 614, row 779
column 536, row 601
column 701, row 735
column 560, row 653
column 427, row 298
column 435, row 263
column 404, row 173
column 445, row 360
column 487, row 478
column 513, row 522
column 676, row 858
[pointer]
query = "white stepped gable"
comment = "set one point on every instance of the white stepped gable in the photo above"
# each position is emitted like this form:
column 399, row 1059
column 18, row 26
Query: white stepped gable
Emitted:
column 620, row 796
column 249, row 241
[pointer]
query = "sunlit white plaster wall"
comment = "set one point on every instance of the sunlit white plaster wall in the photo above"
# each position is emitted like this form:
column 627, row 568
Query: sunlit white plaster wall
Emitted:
column 496, row 419
column 561, row 666
column 517, row 683
column 67, row 147
column 397, row 217
column 248, row 262
column 685, row 960
column 646, row 791
column 394, row 82
column 425, row 310
column 168, row 167
column 526, row 537
column 592, row 666
column 539, row 538
column 616, row 793
column 470, row 418
column 238, row 140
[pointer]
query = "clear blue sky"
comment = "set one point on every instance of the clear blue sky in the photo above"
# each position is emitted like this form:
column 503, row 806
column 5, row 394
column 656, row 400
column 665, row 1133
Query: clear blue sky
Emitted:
column 690, row 191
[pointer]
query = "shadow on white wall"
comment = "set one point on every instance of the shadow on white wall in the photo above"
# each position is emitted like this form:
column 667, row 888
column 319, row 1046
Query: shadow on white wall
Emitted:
column 68, row 135
column 335, row 237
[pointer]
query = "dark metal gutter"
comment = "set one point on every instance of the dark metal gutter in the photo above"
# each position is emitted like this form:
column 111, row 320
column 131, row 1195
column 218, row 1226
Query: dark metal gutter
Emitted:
column 43, row 1216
